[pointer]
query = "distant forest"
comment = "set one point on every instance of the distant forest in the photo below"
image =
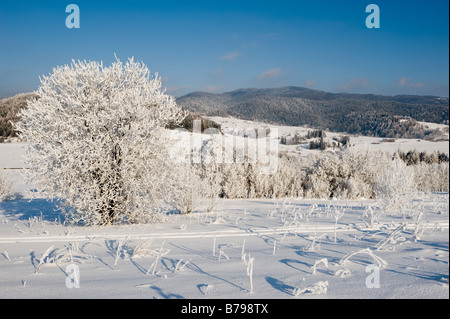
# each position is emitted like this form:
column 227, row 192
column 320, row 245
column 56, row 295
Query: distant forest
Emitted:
column 365, row 114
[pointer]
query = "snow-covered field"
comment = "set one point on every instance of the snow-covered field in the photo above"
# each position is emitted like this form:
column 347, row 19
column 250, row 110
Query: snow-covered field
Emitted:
column 204, row 255
column 373, row 143
column 245, row 249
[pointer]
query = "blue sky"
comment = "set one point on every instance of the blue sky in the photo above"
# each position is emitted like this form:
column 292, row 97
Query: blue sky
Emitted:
column 218, row 46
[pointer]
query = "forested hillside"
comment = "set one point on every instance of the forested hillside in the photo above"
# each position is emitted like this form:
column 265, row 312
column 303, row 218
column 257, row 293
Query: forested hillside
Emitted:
column 367, row 114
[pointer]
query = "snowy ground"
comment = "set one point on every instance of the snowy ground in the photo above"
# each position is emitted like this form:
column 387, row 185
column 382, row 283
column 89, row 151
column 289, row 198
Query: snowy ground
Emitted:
column 201, row 255
column 298, row 250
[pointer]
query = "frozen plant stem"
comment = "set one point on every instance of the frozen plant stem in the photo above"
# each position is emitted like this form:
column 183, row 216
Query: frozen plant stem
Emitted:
column 314, row 245
column 324, row 261
column 178, row 268
column 419, row 229
column 44, row 257
column 380, row 262
column 337, row 215
column 394, row 237
column 5, row 254
column 222, row 253
column 249, row 265
column 118, row 252
column 158, row 257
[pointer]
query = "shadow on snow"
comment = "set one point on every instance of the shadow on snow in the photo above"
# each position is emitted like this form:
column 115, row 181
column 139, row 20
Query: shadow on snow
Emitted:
column 24, row 209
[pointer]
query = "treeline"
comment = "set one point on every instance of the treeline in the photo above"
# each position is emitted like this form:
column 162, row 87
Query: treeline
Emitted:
column 415, row 157
column 384, row 125
column 349, row 174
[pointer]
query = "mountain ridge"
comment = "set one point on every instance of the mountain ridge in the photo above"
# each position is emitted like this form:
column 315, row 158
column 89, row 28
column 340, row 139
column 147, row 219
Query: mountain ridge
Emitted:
column 290, row 90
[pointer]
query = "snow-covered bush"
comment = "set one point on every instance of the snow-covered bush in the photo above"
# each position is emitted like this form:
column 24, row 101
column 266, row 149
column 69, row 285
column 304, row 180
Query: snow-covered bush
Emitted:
column 251, row 180
column 198, row 173
column 96, row 140
column 210, row 187
column 186, row 193
column 287, row 182
column 239, row 180
column 431, row 177
column 347, row 174
column 5, row 186
column 396, row 180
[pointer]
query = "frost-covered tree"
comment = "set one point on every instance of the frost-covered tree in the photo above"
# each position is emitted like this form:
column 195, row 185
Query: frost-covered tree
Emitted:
column 431, row 177
column 395, row 180
column 96, row 141
column 345, row 174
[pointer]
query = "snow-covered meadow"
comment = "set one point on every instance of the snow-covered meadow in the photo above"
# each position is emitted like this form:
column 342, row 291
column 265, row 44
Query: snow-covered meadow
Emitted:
column 360, row 141
column 243, row 249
